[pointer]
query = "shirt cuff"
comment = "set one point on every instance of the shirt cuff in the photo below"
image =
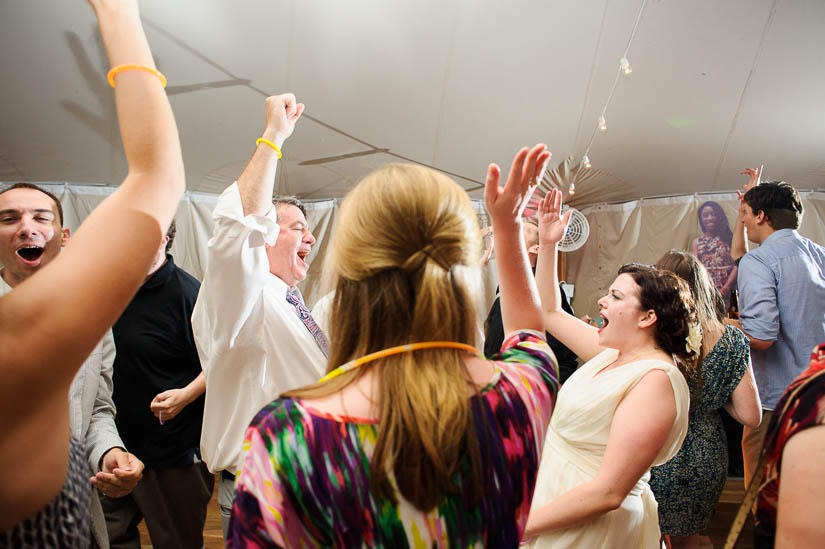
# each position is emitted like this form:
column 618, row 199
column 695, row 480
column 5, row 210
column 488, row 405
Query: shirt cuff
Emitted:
column 760, row 329
column 230, row 207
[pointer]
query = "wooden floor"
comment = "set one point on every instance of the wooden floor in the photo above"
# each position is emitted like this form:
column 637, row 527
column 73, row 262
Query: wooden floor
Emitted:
column 718, row 530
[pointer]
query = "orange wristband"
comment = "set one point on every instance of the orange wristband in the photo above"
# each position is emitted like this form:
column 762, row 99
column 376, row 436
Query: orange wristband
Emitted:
column 120, row 68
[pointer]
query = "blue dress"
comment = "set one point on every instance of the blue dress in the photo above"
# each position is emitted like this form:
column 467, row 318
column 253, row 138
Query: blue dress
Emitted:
column 688, row 487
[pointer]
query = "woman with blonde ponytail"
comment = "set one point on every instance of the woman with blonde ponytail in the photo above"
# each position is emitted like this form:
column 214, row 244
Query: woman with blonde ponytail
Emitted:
column 411, row 438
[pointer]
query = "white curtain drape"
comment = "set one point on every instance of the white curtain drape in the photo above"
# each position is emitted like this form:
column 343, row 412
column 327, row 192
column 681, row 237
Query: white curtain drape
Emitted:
column 641, row 231
column 194, row 228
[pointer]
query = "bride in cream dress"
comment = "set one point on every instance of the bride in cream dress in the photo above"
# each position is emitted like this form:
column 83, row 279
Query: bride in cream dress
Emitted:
column 621, row 413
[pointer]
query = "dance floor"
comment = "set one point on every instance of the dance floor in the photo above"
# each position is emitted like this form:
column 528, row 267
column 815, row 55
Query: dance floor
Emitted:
column 719, row 524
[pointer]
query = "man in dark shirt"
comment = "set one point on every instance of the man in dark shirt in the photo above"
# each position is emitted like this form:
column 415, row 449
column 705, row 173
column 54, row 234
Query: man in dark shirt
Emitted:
column 158, row 392
column 494, row 330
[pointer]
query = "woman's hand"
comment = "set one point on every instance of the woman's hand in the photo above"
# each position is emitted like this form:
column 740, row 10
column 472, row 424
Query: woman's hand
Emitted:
column 552, row 225
column 505, row 205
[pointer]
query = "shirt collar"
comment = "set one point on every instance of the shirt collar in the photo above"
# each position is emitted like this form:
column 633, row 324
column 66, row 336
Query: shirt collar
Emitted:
column 781, row 233
column 279, row 286
column 161, row 276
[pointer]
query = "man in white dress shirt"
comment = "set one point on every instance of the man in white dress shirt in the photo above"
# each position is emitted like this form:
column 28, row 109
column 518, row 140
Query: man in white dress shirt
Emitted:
column 254, row 336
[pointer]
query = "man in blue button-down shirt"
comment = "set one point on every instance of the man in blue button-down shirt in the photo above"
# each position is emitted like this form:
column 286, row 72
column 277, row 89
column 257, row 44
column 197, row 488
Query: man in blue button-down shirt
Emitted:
column 781, row 299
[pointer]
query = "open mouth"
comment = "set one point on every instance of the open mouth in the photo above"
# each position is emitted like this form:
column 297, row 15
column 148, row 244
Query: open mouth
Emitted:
column 30, row 254
column 604, row 322
column 303, row 255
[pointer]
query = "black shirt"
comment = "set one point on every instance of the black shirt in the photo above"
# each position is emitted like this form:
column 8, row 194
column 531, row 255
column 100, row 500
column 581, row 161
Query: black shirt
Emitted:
column 494, row 337
column 155, row 351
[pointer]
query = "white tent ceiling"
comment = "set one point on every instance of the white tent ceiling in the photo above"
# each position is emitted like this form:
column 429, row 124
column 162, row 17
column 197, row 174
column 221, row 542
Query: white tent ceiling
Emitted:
column 716, row 86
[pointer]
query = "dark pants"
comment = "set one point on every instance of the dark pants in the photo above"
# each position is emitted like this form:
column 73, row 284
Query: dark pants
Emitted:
column 173, row 503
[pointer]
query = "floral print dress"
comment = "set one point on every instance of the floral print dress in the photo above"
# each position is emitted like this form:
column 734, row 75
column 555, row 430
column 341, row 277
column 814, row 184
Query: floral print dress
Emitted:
column 714, row 254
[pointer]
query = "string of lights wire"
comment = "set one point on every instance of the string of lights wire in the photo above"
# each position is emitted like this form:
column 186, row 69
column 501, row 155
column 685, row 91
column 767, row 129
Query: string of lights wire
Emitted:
column 601, row 123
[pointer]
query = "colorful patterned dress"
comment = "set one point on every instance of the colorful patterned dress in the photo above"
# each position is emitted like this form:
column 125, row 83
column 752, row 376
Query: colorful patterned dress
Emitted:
column 804, row 406
column 688, row 487
column 305, row 480
column 714, row 254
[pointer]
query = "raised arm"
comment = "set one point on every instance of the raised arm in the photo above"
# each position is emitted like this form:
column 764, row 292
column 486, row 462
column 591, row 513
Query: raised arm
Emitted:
column 519, row 299
column 257, row 181
column 580, row 337
column 51, row 322
column 739, row 243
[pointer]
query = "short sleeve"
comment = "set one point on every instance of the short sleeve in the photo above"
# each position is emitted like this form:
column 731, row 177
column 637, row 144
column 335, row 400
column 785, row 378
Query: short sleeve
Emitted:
column 529, row 348
column 758, row 309
column 724, row 367
column 529, row 363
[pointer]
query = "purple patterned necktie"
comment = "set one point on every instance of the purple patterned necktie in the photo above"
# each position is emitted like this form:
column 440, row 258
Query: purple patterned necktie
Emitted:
column 293, row 296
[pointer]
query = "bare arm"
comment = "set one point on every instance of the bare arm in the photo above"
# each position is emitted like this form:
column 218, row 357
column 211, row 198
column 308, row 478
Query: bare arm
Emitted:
column 519, row 299
column 758, row 344
column 739, row 243
column 640, row 428
column 103, row 264
column 744, row 404
column 580, row 337
column 257, row 181
column 801, row 503
column 168, row 404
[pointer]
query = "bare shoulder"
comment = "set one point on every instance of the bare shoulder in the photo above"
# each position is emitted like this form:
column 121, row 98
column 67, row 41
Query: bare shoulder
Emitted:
column 481, row 370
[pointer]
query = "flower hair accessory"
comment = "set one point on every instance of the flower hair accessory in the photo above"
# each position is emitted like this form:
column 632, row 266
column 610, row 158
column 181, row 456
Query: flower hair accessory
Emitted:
column 694, row 339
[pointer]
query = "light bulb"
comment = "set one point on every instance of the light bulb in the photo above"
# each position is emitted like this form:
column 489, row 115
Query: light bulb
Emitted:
column 585, row 161
column 572, row 189
column 625, row 64
column 602, row 123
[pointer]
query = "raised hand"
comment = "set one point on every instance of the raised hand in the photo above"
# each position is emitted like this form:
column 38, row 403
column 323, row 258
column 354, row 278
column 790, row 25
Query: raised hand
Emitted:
column 505, row 205
column 552, row 224
column 754, row 178
column 282, row 112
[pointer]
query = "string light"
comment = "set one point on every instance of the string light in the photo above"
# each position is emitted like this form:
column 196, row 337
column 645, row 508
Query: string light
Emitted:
column 571, row 190
column 624, row 68
column 625, row 65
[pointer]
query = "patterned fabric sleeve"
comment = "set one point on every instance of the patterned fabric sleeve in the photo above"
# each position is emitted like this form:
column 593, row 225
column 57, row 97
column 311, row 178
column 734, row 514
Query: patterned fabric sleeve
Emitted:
column 724, row 367
column 257, row 514
column 531, row 366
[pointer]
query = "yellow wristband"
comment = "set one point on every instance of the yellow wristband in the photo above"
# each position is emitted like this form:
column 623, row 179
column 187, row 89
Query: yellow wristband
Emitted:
column 120, row 68
column 271, row 144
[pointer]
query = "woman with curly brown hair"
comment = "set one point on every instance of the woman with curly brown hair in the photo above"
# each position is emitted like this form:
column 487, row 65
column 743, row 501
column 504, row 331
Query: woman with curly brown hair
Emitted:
column 622, row 412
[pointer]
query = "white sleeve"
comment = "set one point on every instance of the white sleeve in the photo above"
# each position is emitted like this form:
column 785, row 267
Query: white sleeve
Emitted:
column 235, row 276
